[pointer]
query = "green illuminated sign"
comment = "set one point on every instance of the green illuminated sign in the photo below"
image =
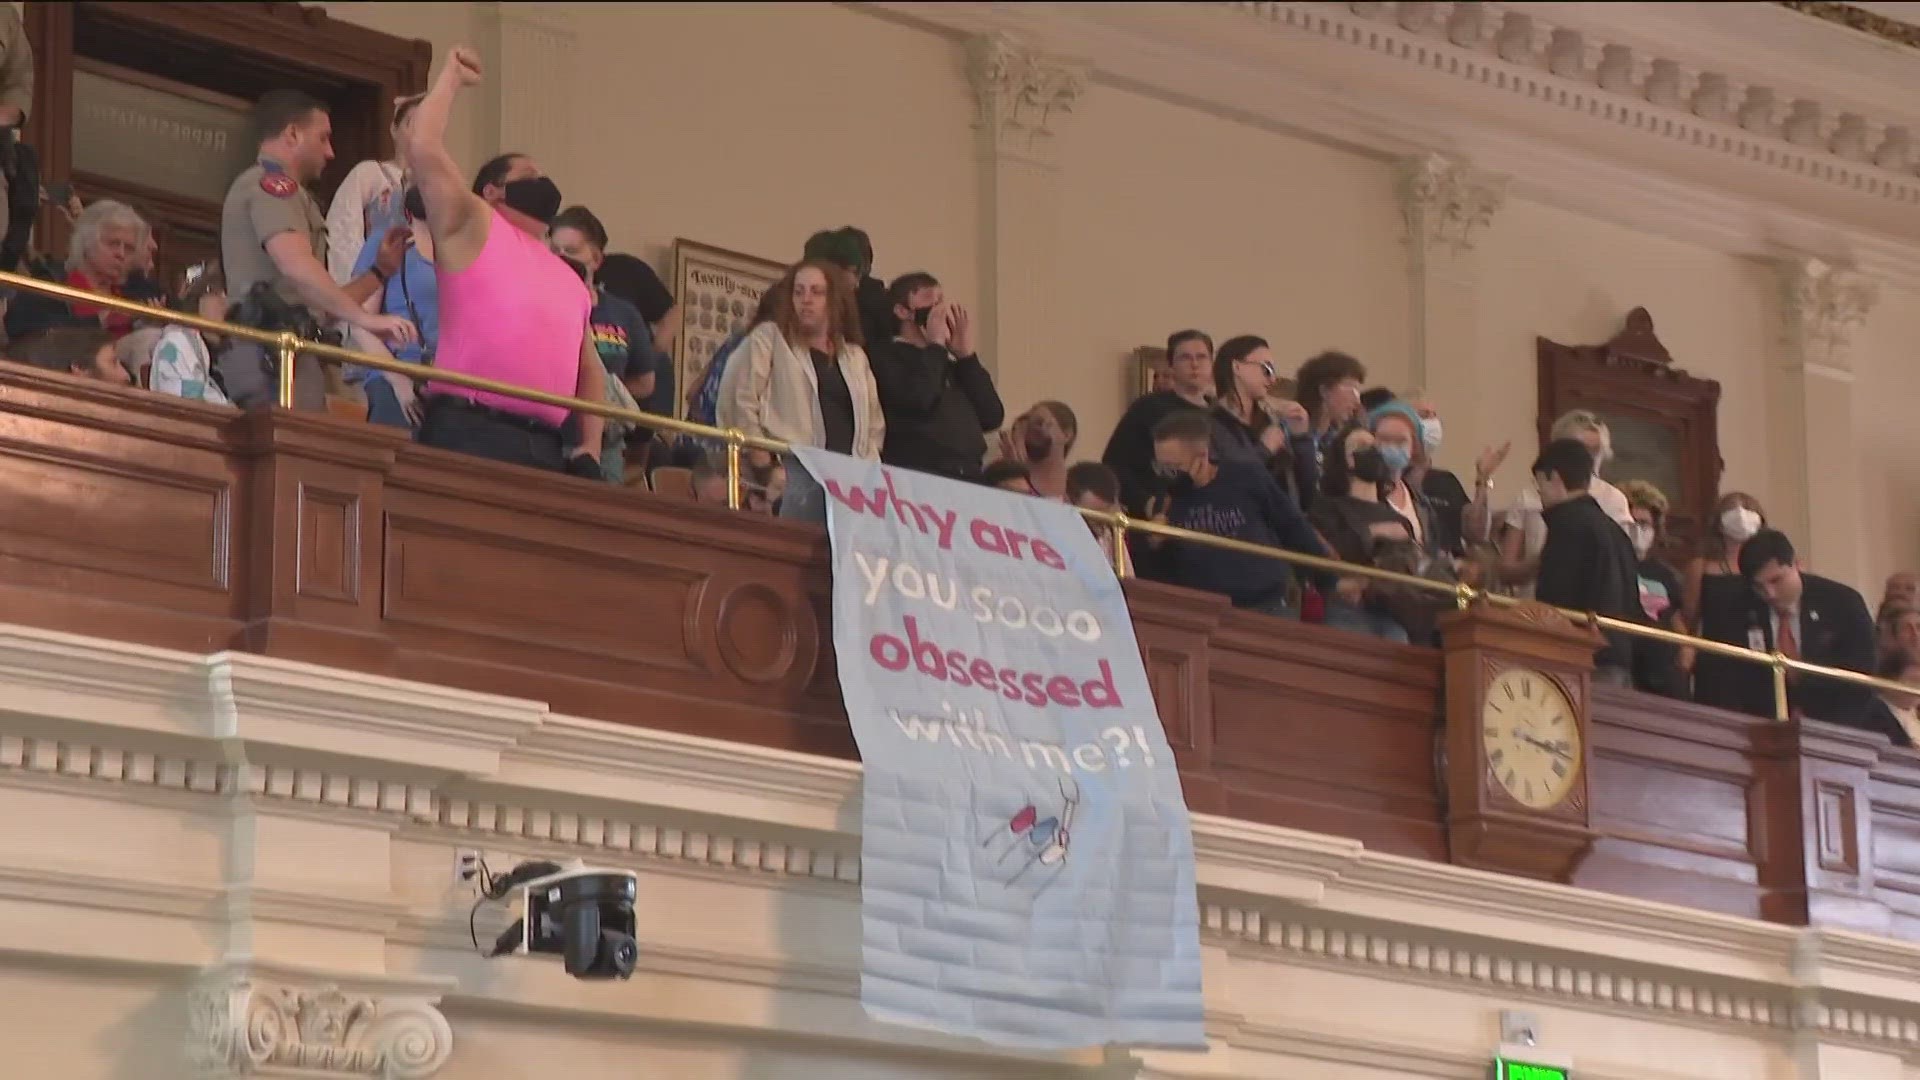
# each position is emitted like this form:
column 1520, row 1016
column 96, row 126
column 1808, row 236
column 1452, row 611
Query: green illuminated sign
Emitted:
column 1504, row 1069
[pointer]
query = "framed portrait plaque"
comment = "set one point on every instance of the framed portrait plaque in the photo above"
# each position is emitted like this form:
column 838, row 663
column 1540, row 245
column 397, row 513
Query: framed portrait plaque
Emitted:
column 718, row 291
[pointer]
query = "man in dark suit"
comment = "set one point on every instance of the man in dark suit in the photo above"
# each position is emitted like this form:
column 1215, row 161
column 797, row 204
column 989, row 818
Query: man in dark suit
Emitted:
column 1808, row 618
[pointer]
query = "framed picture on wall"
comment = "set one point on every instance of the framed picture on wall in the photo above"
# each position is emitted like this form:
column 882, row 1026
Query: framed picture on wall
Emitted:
column 1664, row 422
column 718, row 291
column 1149, row 371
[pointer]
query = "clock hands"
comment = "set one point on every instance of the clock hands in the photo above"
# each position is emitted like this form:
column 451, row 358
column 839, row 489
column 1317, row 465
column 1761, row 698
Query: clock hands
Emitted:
column 1551, row 748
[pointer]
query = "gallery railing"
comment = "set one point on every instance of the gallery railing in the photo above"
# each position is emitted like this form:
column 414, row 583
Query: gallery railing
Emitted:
column 289, row 346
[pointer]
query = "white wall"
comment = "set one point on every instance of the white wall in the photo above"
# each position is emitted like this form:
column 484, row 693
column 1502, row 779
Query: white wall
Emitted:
column 1548, row 273
column 1179, row 218
column 1887, row 434
column 749, row 126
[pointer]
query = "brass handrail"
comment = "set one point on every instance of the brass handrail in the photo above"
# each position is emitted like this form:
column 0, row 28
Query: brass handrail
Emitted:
column 289, row 345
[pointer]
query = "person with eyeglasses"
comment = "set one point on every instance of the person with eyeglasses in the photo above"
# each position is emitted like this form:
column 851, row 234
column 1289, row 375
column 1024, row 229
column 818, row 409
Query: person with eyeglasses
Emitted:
column 1248, row 426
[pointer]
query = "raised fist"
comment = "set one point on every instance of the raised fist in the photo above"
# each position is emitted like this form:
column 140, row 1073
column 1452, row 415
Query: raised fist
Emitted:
column 463, row 65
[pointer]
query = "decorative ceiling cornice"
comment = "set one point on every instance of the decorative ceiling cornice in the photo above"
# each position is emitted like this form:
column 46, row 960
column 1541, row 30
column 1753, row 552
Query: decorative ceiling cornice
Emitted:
column 1748, row 129
column 1858, row 18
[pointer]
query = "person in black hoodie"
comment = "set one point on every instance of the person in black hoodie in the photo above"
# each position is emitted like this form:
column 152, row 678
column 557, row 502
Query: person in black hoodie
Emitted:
column 1234, row 499
column 1588, row 564
column 938, row 399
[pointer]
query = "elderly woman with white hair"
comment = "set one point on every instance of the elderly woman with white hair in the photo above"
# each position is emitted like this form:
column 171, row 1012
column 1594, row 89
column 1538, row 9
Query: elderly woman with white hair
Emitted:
column 1521, row 532
column 108, row 240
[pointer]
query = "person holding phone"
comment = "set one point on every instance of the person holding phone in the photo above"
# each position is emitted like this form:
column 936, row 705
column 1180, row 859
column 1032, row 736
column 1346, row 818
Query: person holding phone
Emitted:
column 939, row 400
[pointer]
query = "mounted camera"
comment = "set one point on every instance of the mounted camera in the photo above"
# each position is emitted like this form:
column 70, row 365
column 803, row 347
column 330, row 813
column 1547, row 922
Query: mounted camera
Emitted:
column 583, row 914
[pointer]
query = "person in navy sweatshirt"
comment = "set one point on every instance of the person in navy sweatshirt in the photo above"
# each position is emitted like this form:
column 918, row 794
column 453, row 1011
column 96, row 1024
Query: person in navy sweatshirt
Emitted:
column 1234, row 499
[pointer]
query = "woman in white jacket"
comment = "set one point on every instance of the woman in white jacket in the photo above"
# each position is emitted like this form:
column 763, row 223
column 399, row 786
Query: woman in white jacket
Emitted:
column 802, row 377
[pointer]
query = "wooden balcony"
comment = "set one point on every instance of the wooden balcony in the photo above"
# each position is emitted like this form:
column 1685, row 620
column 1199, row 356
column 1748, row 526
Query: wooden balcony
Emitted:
column 142, row 518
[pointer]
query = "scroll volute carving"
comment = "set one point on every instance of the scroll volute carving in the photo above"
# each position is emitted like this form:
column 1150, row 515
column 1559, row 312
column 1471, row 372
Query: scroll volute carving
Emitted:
column 1664, row 421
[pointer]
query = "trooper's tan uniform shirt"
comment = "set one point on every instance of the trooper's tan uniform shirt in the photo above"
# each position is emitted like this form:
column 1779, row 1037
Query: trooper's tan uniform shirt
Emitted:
column 264, row 202
column 16, row 76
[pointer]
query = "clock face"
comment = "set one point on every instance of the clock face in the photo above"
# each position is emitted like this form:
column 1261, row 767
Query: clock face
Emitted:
column 1532, row 739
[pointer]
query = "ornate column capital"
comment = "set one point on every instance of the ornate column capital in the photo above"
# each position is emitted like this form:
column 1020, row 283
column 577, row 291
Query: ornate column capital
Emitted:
column 1446, row 203
column 1021, row 95
column 241, row 1025
column 1822, row 305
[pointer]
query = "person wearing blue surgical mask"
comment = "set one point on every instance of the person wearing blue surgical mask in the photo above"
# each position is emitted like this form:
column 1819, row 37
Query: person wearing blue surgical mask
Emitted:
column 1396, row 431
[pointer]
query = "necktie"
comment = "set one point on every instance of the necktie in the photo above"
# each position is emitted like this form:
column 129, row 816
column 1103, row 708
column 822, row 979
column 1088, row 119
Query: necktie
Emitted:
column 1785, row 639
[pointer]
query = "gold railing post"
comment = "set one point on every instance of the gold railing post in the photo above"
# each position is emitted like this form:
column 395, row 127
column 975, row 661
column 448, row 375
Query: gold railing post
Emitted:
column 1463, row 595
column 734, row 439
column 289, row 355
column 1780, row 710
column 1119, row 535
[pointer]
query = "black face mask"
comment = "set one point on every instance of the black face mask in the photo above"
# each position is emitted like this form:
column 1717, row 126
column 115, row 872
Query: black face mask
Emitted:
column 921, row 315
column 576, row 266
column 1039, row 444
column 414, row 204
column 535, row 196
column 1369, row 466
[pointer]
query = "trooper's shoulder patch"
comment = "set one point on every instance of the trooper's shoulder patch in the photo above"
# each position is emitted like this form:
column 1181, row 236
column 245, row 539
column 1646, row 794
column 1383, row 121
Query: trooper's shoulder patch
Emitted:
column 278, row 184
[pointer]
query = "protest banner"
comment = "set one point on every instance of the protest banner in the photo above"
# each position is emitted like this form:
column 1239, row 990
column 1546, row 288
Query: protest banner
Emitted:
column 1026, row 860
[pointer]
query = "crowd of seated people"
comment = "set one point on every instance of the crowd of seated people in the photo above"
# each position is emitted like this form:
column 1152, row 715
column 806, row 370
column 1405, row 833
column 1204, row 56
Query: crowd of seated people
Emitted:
column 420, row 261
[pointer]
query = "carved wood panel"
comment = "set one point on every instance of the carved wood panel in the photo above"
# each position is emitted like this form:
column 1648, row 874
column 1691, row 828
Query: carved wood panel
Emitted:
column 1664, row 422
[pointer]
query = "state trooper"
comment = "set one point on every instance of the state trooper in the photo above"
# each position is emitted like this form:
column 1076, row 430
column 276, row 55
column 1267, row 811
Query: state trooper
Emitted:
column 273, row 242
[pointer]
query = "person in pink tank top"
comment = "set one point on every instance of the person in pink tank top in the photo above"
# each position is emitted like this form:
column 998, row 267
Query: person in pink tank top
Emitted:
column 510, row 309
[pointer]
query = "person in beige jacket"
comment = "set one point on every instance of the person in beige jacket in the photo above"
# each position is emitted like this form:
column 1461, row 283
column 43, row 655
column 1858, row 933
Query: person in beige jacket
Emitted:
column 802, row 377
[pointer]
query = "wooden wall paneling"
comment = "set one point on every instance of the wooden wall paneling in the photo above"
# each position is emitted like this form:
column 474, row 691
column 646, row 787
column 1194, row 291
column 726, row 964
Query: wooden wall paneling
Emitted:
column 597, row 596
column 1319, row 729
column 1815, row 786
column 1672, row 792
column 1836, row 848
column 1172, row 627
column 316, row 503
column 1894, row 838
column 119, row 512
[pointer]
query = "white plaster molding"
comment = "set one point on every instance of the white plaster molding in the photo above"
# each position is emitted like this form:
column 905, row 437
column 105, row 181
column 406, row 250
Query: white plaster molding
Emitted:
column 73, row 679
column 1021, row 96
column 66, row 887
column 1446, row 203
column 568, row 755
column 242, row 1023
column 1822, row 307
column 140, row 773
column 261, row 701
column 1659, row 148
column 1403, row 953
column 1267, row 894
column 1575, row 61
column 710, row 848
